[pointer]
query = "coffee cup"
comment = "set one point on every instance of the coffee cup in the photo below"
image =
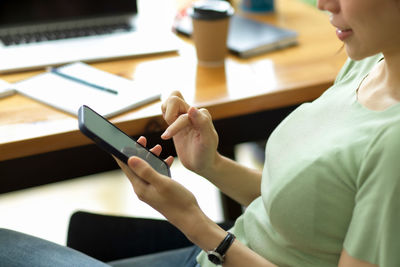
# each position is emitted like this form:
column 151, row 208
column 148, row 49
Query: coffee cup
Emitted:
column 210, row 20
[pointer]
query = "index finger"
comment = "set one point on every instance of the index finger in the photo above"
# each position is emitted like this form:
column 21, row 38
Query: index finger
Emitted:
column 179, row 124
column 174, row 93
column 174, row 107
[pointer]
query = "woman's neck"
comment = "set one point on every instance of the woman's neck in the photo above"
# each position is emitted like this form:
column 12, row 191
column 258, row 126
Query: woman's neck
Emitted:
column 391, row 73
column 381, row 88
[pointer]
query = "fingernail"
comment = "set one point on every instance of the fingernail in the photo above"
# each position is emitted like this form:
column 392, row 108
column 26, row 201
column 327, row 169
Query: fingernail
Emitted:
column 165, row 135
column 195, row 111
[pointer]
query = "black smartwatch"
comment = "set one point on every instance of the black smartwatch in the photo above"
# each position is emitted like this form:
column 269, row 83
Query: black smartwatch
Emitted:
column 217, row 256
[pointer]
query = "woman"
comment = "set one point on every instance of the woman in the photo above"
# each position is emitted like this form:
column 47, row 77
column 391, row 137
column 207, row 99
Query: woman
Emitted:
column 326, row 200
column 328, row 195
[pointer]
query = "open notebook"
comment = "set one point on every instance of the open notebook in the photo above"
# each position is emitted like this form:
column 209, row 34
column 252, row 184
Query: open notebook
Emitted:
column 37, row 33
column 73, row 85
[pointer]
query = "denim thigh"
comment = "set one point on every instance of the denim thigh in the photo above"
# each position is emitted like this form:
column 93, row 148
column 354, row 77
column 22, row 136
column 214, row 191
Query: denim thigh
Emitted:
column 184, row 257
column 21, row 250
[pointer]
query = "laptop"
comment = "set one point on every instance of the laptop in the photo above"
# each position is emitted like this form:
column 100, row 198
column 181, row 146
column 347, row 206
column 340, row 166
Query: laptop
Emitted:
column 40, row 33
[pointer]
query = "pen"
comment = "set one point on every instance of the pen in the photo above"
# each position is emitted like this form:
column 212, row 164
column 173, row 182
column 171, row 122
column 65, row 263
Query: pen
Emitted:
column 75, row 79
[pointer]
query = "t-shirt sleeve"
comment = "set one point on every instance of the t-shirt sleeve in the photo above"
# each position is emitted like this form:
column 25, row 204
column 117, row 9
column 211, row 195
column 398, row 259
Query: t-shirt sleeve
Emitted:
column 374, row 231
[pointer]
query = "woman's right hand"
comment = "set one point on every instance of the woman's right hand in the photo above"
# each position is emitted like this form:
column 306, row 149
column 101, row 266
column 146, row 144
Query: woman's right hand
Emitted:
column 193, row 133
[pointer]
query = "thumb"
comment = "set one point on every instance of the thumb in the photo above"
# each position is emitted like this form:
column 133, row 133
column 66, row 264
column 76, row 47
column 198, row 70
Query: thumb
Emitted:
column 143, row 170
column 199, row 118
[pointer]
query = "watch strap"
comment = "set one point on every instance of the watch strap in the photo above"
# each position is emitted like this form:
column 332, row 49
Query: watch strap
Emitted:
column 217, row 255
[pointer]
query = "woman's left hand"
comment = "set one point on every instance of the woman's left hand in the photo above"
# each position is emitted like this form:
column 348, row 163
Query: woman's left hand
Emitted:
column 171, row 199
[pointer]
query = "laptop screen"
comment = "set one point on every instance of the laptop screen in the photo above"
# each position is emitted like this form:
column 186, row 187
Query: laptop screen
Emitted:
column 18, row 12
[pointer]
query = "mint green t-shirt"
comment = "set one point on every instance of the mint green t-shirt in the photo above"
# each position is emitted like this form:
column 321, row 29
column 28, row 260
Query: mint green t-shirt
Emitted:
column 331, row 180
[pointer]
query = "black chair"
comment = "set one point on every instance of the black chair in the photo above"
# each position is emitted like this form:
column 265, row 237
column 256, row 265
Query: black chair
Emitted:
column 108, row 238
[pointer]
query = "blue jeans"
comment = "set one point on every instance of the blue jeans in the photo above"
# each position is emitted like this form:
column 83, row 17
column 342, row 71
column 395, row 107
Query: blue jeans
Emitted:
column 20, row 250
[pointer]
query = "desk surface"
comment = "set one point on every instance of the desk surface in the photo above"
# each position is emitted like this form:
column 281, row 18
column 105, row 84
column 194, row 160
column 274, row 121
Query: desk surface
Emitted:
column 242, row 86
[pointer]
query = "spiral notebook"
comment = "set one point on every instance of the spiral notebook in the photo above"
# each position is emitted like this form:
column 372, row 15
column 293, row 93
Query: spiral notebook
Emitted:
column 76, row 84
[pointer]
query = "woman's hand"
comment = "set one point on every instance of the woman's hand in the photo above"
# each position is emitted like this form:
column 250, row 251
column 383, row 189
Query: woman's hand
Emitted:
column 192, row 130
column 167, row 196
column 179, row 206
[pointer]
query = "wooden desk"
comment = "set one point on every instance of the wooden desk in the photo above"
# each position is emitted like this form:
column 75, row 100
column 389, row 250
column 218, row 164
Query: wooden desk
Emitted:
column 242, row 88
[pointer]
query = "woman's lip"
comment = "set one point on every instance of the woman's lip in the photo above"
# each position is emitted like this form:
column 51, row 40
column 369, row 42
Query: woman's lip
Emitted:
column 343, row 34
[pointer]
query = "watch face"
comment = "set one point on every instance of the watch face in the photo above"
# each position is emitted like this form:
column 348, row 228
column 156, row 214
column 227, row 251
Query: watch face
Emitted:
column 214, row 259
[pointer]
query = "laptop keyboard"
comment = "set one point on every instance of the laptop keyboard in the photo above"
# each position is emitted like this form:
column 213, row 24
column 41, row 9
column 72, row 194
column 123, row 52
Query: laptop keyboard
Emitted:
column 48, row 35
